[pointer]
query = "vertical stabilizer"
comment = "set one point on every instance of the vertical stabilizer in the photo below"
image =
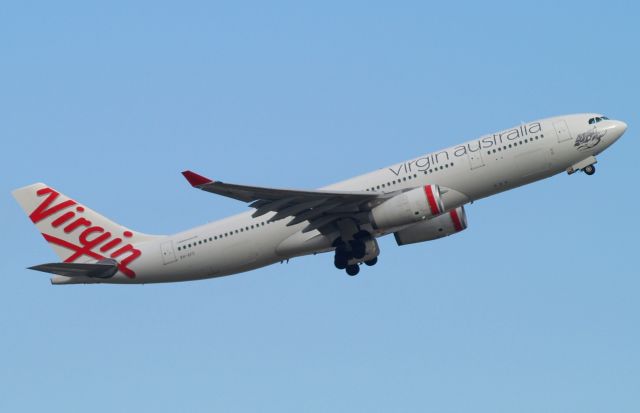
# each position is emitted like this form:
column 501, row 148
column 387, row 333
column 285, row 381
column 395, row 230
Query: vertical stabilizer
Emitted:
column 77, row 233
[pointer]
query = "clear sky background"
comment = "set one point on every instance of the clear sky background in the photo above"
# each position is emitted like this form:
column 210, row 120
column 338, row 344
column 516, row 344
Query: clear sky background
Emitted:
column 535, row 308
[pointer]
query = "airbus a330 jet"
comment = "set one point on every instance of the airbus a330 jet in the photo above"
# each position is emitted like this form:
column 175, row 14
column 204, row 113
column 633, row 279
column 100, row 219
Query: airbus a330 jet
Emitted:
column 419, row 200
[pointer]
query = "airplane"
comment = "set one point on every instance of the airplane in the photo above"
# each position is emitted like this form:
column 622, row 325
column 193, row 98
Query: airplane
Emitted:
column 422, row 199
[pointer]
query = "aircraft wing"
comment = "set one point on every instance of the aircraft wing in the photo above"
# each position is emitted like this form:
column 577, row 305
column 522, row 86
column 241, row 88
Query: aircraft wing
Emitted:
column 319, row 207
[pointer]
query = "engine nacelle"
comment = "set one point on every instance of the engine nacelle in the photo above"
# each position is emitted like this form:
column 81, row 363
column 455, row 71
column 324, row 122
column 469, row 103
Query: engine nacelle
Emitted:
column 441, row 226
column 408, row 207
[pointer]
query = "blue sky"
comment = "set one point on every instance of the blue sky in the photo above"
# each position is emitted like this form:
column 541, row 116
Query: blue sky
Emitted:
column 534, row 308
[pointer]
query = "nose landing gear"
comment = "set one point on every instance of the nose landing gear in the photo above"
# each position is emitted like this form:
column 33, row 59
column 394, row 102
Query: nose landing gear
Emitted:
column 586, row 165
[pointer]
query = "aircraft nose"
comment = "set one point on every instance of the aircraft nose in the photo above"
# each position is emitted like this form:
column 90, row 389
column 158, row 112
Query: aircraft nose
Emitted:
column 619, row 128
column 622, row 126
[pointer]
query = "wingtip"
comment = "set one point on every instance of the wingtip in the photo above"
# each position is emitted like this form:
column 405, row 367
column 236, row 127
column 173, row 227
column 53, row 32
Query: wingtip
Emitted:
column 195, row 179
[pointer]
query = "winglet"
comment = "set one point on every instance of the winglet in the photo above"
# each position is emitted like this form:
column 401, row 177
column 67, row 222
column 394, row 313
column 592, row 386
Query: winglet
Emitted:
column 195, row 179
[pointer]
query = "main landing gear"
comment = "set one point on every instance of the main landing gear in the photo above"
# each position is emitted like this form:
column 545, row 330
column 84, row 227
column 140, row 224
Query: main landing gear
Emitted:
column 589, row 170
column 350, row 254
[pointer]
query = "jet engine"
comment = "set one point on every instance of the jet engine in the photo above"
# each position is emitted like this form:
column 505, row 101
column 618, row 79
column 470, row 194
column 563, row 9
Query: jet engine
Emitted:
column 407, row 207
column 441, row 226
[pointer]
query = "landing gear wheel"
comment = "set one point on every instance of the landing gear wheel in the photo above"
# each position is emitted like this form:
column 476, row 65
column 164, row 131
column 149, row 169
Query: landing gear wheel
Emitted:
column 340, row 261
column 358, row 249
column 589, row 170
column 353, row 269
column 373, row 261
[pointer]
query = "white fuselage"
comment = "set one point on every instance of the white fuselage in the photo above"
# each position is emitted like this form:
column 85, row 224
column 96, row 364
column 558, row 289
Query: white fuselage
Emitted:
column 476, row 169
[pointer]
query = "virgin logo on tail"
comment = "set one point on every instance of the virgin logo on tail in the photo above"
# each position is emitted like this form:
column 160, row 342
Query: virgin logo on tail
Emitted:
column 91, row 236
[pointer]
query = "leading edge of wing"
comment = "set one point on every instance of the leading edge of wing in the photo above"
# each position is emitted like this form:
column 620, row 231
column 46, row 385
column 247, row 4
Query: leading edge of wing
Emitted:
column 248, row 193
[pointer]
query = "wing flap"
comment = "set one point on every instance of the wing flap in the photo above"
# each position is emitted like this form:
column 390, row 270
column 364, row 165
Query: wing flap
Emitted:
column 296, row 209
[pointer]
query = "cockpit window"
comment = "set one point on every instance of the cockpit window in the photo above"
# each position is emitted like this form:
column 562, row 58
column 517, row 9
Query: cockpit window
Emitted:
column 597, row 119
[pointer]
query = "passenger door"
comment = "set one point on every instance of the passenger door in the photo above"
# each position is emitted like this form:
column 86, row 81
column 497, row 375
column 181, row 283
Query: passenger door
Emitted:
column 562, row 130
column 475, row 159
column 168, row 254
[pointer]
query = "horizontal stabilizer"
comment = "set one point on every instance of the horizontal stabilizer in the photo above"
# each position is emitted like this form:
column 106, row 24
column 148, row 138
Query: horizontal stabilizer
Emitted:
column 102, row 269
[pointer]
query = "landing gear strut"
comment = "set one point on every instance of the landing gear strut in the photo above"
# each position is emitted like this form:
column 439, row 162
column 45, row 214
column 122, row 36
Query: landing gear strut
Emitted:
column 358, row 249
column 589, row 169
